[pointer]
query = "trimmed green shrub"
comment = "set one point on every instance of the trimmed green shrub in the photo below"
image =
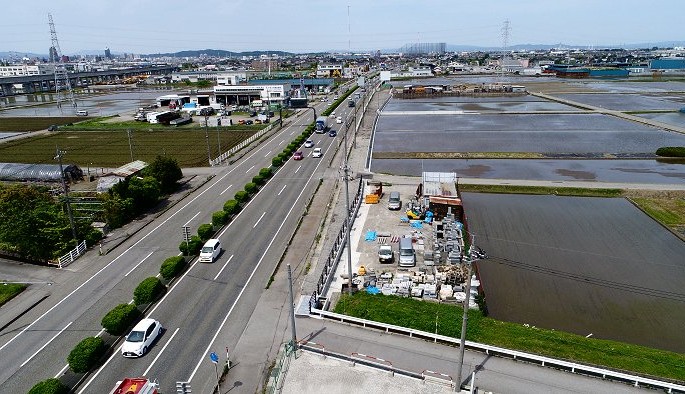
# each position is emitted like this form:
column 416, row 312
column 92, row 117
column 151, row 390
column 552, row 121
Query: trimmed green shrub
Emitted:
column 49, row 386
column 120, row 318
column 250, row 188
column 148, row 290
column 231, row 207
column 86, row 354
column 277, row 161
column 265, row 173
column 241, row 196
column 172, row 266
column 258, row 180
column 205, row 231
column 671, row 151
column 192, row 247
column 219, row 218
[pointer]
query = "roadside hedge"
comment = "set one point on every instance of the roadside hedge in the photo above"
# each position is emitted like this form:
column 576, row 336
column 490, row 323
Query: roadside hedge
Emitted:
column 120, row 318
column 671, row 151
column 172, row 266
column 258, row 180
column 241, row 196
column 266, row 173
column 277, row 161
column 49, row 386
column 219, row 218
column 231, row 207
column 250, row 188
column 205, row 231
column 148, row 290
column 86, row 354
column 192, row 247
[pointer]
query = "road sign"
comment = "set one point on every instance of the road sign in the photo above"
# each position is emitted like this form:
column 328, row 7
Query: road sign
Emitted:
column 214, row 357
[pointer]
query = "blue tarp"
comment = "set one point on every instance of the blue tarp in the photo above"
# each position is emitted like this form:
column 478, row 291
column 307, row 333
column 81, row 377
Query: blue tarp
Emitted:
column 189, row 105
column 373, row 290
column 417, row 224
column 370, row 236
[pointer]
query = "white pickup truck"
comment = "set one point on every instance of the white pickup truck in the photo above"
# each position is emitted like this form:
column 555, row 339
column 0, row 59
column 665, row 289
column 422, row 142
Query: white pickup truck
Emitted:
column 385, row 254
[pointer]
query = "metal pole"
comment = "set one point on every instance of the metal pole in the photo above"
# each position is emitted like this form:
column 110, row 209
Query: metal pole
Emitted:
column 465, row 316
column 130, row 145
column 218, row 384
column 58, row 156
column 348, row 223
column 209, row 155
column 218, row 136
column 292, row 308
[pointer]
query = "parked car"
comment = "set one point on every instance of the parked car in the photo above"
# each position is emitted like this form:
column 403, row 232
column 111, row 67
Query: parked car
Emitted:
column 52, row 127
column 298, row 155
column 309, row 144
column 248, row 122
column 317, row 152
column 385, row 254
column 338, row 119
column 141, row 338
column 241, row 121
column 332, row 133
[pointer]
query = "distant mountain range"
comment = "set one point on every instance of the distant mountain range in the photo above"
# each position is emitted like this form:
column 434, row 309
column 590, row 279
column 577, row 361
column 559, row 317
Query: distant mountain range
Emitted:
column 449, row 47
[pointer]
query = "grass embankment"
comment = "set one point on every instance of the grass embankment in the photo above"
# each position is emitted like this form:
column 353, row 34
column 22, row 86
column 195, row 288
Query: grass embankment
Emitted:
column 111, row 124
column 111, row 148
column 422, row 315
column 9, row 291
column 30, row 123
column 458, row 155
column 560, row 191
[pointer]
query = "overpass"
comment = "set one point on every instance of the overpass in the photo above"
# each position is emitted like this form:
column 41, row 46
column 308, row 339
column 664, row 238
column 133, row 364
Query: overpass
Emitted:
column 46, row 83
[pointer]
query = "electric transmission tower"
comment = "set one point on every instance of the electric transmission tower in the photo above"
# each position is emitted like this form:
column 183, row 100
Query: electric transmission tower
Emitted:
column 505, row 42
column 62, row 84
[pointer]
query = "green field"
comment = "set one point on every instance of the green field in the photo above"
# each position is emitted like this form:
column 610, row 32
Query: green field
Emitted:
column 422, row 315
column 9, row 291
column 31, row 123
column 111, row 148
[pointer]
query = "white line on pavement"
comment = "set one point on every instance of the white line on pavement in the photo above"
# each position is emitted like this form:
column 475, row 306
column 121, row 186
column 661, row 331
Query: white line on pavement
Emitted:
column 46, row 344
column 267, row 154
column 284, row 186
column 191, row 219
column 141, row 262
column 160, row 352
column 229, row 186
column 249, row 169
column 298, row 169
column 260, row 218
column 222, row 268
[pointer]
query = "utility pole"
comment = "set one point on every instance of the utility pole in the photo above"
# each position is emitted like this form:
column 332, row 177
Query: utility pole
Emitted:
column 292, row 309
column 348, row 222
column 209, row 154
column 218, row 135
column 58, row 157
column 130, row 145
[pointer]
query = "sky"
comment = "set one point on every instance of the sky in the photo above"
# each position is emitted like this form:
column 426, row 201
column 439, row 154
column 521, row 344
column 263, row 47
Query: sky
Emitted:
column 147, row 26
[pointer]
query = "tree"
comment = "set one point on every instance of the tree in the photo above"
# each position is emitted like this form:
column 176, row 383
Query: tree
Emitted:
column 166, row 171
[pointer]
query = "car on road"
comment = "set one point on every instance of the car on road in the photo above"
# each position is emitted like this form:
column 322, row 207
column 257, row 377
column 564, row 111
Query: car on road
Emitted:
column 317, row 152
column 338, row 119
column 298, row 155
column 332, row 133
column 309, row 144
column 333, row 114
column 139, row 340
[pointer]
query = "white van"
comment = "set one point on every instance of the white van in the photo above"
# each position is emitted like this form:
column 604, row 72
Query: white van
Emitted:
column 210, row 251
column 407, row 254
column 82, row 112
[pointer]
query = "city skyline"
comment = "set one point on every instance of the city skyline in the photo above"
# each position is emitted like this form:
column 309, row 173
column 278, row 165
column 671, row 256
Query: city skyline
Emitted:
column 303, row 26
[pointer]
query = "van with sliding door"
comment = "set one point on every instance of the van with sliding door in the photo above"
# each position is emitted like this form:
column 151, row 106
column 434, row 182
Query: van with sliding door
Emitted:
column 407, row 253
column 210, row 251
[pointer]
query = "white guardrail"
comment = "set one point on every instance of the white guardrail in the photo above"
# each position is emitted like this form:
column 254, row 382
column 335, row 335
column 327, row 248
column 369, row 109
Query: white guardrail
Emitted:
column 69, row 258
column 637, row 381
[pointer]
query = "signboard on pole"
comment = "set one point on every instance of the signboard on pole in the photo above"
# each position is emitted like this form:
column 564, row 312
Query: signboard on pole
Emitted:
column 214, row 357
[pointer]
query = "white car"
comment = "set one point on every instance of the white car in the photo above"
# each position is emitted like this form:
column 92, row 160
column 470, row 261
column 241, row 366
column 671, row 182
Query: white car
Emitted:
column 309, row 144
column 338, row 119
column 141, row 338
column 317, row 152
column 333, row 114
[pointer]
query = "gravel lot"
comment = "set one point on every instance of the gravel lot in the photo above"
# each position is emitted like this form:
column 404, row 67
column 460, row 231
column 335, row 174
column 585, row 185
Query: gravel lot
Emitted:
column 585, row 265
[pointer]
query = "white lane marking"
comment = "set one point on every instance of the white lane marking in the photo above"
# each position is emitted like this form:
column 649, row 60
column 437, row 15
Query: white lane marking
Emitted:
column 284, row 186
column 282, row 142
column 249, row 169
column 46, row 344
column 191, row 219
column 141, row 262
column 260, row 218
column 292, row 132
column 254, row 270
column 221, row 270
column 267, row 154
column 61, row 372
column 229, row 186
column 160, row 352
column 298, row 168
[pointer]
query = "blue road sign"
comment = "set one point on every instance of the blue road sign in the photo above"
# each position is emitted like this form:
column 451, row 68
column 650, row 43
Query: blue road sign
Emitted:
column 214, row 357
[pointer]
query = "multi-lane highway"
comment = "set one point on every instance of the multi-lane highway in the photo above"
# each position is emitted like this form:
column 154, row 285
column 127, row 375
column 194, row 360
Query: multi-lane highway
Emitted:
column 208, row 301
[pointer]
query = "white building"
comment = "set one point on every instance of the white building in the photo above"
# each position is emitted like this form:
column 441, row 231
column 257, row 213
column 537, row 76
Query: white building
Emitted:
column 329, row 70
column 231, row 78
column 248, row 94
column 20, row 70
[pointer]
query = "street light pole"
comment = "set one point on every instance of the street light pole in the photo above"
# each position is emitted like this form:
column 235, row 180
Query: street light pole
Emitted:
column 209, row 155
column 348, row 223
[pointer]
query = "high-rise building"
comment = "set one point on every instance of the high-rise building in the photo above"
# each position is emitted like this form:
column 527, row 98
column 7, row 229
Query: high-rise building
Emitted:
column 108, row 54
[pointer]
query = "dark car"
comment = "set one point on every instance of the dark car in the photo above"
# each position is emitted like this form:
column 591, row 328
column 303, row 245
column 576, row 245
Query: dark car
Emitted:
column 253, row 113
column 332, row 133
column 249, row 122
column 52, row 127
column 298, row 155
